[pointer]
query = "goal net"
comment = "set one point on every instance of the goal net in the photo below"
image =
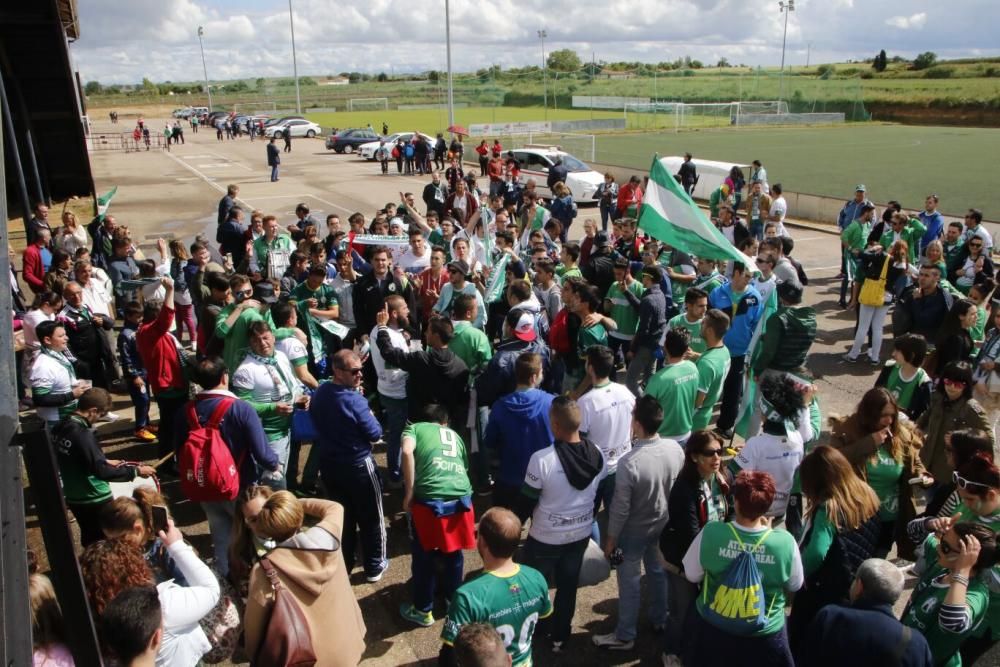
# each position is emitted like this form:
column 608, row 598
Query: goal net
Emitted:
column 684, row 116
column 368, row 103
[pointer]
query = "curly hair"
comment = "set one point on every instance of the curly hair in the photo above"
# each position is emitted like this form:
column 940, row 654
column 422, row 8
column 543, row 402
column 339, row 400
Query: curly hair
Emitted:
column 785, row 395
column 109, row 567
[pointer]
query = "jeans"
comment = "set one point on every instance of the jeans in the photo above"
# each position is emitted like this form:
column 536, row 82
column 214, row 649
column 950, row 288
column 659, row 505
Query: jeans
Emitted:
column 281, row 447
column 423, row 572
column 732, row 393
column 607, row 215
column 140, row 401
column 560, row 564
column 395, row 422
column 274, row 172
column 359, row 489
column 871, row 318
column 757, row 230
column 619, row 346
column 184, row 316
column 220, row 527
column 639, row 370
column 681, row 595
column 638, row 551
column 605, row 493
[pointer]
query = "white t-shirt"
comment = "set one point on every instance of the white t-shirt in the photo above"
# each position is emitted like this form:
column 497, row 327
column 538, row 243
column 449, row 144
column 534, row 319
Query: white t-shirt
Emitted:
column 254, row 376
column 31, row 320
column 391, row 381
column 48, row 374
column 606, row 419
column 411, row 262
column 293, row 348
column 764, row 286
column 779, row 208
column 564, row 513
column 95, row 298
column 779, row 456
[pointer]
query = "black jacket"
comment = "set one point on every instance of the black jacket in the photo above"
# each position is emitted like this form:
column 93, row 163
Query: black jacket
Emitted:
column 557, row 174
column 435, row 376
column 687, row 508
column 432, row 203
column 273, row 154
column 864, row 634
column 369, row 298
column 600, row 271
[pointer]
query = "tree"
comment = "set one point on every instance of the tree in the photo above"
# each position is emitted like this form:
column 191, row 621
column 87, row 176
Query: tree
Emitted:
column 433, row 76
column 93, row 88
column 148, row 86
column 925, row 60
column 696, row 64
column 382, row 76
column 564, row 60
column 722, row 63
column 259, row 83
column 880, row 62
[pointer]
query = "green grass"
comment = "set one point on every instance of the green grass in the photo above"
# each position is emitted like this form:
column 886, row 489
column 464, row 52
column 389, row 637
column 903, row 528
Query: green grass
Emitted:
column 899, row 162
column 432, row 121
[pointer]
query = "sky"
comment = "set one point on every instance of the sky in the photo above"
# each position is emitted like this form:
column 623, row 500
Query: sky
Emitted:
column 125, row 42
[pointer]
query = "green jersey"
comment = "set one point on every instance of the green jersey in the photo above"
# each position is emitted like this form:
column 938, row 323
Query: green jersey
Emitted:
column 925, row 605
column 675, row 387
column 992, row 579
column 978, row 330
column 572, row 272
column 326, row 298
column 471, row 346
column 588, row 336
column 709, row 282
column 697, row 343
column 883, row 474
column 902, row 389
column 713, row 367
column 271, row 258
column 512, row 604
column 440, row 461
column 625, row 315
column 775, row 557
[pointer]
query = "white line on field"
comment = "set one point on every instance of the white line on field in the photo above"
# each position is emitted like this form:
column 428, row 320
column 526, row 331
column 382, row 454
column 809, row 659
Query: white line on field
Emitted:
column 205, row 178
column 231, row 161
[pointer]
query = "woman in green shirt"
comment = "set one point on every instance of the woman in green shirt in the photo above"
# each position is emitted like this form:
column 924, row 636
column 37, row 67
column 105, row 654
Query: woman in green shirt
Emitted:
column 841, row 532
column 951, row 599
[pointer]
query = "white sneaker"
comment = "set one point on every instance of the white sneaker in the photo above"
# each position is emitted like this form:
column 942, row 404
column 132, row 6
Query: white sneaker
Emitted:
column 111, row 417
column 611, row 642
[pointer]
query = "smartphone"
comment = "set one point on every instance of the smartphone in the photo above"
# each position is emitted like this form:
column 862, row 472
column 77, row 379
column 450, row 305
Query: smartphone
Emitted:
column 159, row 518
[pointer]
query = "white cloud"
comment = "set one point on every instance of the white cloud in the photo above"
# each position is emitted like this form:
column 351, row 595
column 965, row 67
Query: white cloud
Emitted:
column 914, row 22
column 250, row 38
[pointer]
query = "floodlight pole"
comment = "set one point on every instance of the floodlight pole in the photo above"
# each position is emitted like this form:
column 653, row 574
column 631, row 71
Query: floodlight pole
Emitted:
column 786, row 7
column 295, row 66
column 542, row 34
column 447, row 39
column 204, row 67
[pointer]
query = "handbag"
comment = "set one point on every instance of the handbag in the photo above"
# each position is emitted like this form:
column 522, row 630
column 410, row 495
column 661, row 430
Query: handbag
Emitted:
column 286, row 641
column 222, row 625
column 873, row 291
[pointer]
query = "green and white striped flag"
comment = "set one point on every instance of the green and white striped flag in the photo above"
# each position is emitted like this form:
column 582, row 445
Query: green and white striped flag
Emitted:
column 748, row 404
column 104, row 202
column 670, row 215
column 498, row 280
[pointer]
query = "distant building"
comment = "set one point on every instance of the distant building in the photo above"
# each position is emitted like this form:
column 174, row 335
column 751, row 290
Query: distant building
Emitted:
column 336, row 81
column 618, row 75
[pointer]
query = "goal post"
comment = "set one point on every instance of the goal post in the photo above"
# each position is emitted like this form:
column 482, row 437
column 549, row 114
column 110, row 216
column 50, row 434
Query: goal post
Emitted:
column 679, row 116
column 368, row 104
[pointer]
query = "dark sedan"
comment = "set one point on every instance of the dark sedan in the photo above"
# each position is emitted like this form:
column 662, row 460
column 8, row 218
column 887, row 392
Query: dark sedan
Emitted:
column 348, row 140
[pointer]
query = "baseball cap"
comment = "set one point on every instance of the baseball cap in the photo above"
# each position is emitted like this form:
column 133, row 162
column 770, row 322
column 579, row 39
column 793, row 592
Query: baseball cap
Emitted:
column 459, row 265
column 790, row 291
column 601, row 239
column 264, row 292
column 861, row 188
column 522, row 325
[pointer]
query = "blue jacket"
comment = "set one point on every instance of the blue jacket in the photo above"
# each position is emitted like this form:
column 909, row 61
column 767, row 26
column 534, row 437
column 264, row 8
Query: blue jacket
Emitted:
column 498, row 379
column 128, row 352
column 934, row 222
column 850, row 213
column 743, row 315
column 345, row 425
column 241, row 429
column 518, row 427
column 862, row 635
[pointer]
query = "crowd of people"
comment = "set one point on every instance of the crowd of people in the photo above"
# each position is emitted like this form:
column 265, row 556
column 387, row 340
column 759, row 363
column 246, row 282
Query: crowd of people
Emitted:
column 585, row 391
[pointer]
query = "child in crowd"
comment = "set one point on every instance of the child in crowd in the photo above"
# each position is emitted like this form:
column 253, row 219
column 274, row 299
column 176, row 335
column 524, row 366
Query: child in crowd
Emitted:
column 133, row 372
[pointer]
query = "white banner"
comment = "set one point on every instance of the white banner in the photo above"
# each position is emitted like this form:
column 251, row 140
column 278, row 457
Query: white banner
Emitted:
column 490, row 129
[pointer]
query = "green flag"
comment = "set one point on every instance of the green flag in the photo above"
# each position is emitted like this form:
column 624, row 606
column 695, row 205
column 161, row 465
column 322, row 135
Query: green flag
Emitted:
column 670, row 215
column 498, row 279
column 104, row 202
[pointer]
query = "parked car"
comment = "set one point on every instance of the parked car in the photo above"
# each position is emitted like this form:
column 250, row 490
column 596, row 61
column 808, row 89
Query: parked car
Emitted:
column 582, row 181
column 348, row 140
column 296, row 127
column 367, row 151
column 282, row 119
column 184, row 112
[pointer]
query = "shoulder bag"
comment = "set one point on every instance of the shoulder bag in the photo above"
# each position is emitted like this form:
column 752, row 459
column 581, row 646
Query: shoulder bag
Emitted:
column 286, row 641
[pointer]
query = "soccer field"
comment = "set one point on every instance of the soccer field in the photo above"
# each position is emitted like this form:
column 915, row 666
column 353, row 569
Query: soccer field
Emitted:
column 899, row 162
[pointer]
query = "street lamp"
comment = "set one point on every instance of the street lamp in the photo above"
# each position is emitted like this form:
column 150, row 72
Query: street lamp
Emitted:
column 786, row 7
column 204, row 67
column 545, row 79
column 295, row 67
column 447, row 39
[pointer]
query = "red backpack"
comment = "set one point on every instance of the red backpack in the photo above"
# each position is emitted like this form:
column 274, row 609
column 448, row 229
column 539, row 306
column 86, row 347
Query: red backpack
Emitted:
column 207, row 470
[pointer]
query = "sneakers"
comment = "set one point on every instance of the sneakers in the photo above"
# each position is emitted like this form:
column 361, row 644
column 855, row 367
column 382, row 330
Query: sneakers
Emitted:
column 875, row 362
column 110, row 418
column 727, row 434
column 153, row 428
column 145, row 435
column 377, row 577
column 414, row 615
column 611, row 642
column 849, row 359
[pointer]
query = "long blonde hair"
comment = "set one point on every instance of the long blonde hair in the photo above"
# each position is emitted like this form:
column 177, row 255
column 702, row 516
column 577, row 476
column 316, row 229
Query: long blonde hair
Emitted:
column 829, row 480
column 241, row 549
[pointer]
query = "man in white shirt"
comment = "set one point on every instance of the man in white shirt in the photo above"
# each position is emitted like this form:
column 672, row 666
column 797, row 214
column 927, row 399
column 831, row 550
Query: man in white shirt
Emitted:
column 392, row 386
column 974, row 227
column 606, row 420
column 100, row 303
column 418, row 256
column 560, row 486
column 758, row 173
column 779, row 209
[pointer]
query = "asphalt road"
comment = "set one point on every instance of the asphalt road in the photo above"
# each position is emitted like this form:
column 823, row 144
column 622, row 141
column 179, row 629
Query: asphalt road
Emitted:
column 175, row 194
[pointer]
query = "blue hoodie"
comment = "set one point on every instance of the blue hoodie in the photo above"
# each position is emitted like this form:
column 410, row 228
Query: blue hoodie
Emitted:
column 744, row 316
column 518, row 427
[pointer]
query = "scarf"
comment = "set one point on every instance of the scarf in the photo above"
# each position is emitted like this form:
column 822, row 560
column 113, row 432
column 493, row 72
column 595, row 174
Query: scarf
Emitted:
column 282, row 387
column 63, row 360
column 581, row 462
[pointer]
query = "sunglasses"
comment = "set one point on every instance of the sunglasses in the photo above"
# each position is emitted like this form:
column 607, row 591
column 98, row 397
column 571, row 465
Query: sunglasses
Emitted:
column 963, row 483
column 712, row 453
column 353, row 371
column 953, row 383
column 975, row 245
